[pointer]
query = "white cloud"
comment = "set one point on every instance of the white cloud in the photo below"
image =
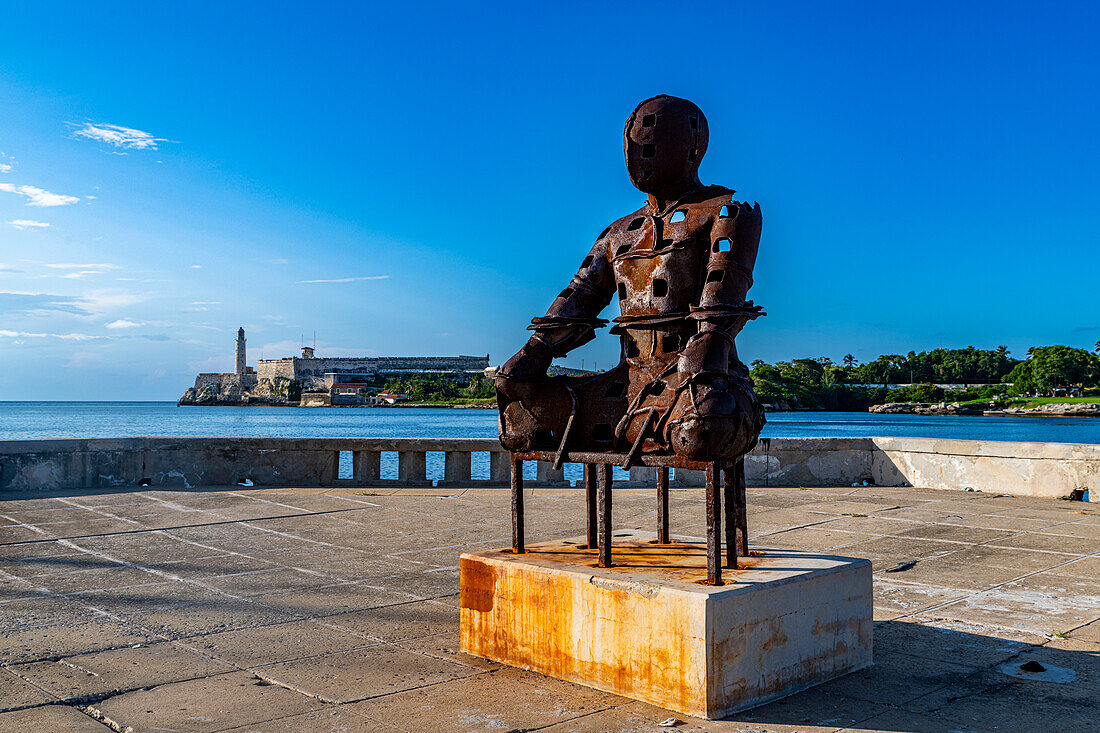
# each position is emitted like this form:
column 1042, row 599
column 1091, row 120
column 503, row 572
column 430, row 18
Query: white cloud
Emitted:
column 28, row 224
column 344, row 279
column 101, row 301
column 5, row 167
column 75, row 266
column 78, row 274
column 126, row 138
column 4, row 333
column 278, row 261
column 38, row 304
column 196, row 267
column 206, row 302
column 123, row 323
column 38, row 196
column 80, row 270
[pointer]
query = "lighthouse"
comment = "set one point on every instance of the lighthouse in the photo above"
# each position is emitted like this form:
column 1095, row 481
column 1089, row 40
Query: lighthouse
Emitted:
column 241, row 369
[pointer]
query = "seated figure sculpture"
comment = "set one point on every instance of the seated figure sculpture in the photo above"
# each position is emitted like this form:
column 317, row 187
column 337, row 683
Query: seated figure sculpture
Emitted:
column 682, row 267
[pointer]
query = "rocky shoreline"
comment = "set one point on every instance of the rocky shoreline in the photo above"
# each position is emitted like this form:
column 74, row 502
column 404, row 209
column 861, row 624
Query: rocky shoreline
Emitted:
column 1066, row 409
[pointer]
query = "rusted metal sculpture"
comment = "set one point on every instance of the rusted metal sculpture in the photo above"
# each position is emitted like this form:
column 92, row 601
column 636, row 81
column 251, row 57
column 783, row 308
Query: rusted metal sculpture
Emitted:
column 682, row 267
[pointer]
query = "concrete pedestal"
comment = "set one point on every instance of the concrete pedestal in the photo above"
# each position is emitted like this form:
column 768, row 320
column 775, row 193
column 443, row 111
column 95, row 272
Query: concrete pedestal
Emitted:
column 650, row 629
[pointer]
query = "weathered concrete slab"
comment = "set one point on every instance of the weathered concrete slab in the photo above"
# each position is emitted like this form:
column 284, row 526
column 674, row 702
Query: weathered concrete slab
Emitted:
column 51, row 718
column 205, row 704
column 401, row 549
column 651, row 629
column 118, row 670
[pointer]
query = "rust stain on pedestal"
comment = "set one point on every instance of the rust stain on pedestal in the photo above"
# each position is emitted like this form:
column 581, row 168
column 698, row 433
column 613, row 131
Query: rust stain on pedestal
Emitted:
column 647, row 627
column 600, row 631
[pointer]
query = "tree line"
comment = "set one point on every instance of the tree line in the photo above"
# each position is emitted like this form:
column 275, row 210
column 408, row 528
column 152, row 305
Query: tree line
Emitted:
column 443, row 388
column 822, row 384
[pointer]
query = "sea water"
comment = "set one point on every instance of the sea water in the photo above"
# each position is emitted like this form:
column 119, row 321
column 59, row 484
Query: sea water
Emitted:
column 51, row 420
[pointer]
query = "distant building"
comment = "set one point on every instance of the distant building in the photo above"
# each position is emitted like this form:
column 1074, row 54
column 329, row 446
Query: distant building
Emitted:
column 241, row 368
column 242, row 379
column 341, row 379
column 312, row 371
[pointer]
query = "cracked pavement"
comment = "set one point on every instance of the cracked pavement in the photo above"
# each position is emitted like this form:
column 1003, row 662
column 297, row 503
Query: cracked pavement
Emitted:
column 337, row 610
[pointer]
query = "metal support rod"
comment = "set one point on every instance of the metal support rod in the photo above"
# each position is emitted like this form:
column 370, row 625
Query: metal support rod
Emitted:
column 729, row 497
column 741, row 513
column 714, row 525
column 662, row 506
column 517, row 506
column 590, row 481
column 604, row 500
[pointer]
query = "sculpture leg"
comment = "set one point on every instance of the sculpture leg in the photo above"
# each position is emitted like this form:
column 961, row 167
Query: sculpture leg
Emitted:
column 662, row 506
column 590, row 500
column 741, row 514
column 714, row 525
column 604, row 495
column 729, row 495
column 517, row 506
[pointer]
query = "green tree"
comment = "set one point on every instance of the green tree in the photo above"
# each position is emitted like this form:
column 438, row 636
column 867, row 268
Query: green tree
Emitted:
column 1048, row 367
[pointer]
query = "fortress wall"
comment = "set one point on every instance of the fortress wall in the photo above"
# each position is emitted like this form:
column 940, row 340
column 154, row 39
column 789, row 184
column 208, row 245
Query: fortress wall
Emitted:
column 270, row 369
column 219, row 381
column 224, row 381
column 297, row 368
column 392, row 364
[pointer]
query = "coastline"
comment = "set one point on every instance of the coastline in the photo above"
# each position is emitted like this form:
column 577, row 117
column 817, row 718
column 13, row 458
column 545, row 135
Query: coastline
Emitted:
column 1053, row 409
column 406, row 406
column 1060, row 410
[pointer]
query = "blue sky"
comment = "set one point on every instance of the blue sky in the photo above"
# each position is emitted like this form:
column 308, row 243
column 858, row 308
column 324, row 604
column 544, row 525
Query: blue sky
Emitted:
column 927, row 173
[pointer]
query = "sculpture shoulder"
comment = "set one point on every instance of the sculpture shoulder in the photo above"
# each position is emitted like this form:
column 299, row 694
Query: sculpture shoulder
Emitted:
column 718, row 209
column 629, row 223
column 713, row 197
column 711, row 200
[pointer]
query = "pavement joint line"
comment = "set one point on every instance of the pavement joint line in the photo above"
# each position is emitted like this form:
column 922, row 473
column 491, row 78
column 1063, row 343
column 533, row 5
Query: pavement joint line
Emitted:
column 180, row 526
column 98, row 716
column 299, row 690
column 288, row 506
column 251, row 557
column 7, row 668
column 125, row 620
column 118, row 618
column 579, row 717
column 937, row 606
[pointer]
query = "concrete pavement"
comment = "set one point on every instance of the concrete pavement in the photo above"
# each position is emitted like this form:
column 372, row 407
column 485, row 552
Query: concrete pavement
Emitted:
column 313, row 609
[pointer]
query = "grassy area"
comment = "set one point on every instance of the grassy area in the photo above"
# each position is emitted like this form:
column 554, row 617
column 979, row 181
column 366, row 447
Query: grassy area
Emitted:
column 484, row 401
column 1036, row 401
column 1026, row 402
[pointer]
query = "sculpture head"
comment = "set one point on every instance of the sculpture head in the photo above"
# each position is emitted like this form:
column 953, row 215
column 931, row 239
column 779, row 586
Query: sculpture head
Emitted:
column 664, row 141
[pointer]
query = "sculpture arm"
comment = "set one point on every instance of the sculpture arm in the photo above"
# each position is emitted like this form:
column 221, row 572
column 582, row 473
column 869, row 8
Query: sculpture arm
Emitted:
column 571, row 320
column 722, row 310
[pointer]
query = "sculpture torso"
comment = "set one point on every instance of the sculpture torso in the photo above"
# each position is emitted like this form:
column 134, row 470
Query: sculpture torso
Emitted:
column 659, row 264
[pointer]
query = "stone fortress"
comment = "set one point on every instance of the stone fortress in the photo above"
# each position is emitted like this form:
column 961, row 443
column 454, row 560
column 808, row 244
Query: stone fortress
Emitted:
column 281, row 381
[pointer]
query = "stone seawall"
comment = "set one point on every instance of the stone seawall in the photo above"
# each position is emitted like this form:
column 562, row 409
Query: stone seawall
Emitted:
column 1027, row 469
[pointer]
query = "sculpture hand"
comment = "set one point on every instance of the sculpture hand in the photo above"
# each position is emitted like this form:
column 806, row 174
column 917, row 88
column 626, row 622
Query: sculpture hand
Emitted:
column 530, row 362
